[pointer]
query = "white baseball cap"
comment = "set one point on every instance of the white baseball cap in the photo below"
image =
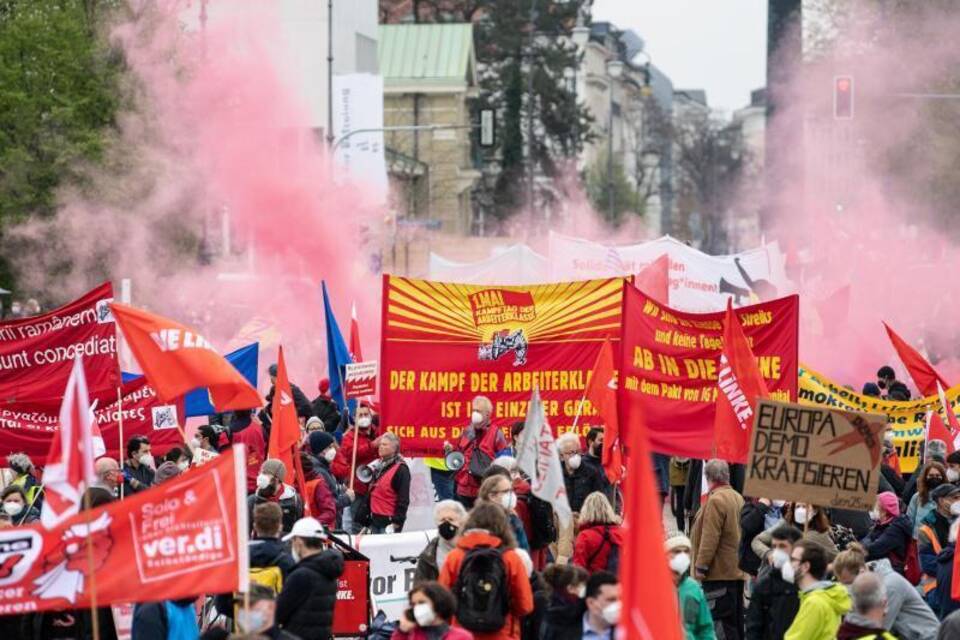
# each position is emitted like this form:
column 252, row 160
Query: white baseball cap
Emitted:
column 306, row 528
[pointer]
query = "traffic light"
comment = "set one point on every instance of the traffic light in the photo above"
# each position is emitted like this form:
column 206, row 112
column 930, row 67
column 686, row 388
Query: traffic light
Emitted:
column 843, row 97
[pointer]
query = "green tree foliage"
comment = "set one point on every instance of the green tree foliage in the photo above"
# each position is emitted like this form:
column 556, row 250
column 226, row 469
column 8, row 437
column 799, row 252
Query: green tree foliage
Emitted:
column 57, row 97
column 604, row 177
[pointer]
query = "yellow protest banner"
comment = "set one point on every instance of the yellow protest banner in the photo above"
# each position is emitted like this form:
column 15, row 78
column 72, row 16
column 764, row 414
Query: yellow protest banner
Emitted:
column 907, row 419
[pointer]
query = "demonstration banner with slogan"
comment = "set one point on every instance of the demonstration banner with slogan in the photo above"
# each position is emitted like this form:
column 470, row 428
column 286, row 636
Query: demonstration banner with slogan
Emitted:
column 826, row 457
column 698, row 281
column 183, row 537
column 360, row 379
column 445, row 343
column 670, row 366
column 907, row 419
column 36, row 354
column 29, row 429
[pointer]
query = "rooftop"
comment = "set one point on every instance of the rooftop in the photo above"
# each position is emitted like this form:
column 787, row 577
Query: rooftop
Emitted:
column 425, row 57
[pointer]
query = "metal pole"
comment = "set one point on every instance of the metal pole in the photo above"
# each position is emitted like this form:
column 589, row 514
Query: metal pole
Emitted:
column 530, row 100
column 610, row 196
column 329, row 73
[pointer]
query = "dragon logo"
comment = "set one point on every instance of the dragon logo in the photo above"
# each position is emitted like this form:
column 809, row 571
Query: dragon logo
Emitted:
column 502, row 343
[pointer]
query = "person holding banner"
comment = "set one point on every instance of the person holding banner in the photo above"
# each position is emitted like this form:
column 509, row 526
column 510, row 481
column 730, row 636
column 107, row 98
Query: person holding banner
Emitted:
column 810, row 519
column 362, row 438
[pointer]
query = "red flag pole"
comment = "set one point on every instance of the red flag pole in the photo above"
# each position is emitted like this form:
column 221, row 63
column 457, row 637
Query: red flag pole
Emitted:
column 90, row 565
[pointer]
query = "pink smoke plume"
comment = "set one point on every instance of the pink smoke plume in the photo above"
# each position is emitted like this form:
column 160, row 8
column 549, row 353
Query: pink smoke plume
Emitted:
column 218, row 127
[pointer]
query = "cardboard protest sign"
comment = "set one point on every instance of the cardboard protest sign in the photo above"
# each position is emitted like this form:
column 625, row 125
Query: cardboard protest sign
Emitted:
column 360, row 379
column 826, row 457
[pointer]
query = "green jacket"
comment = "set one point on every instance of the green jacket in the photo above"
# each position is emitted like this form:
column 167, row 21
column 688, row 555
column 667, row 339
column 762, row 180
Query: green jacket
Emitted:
column 697, row 621
column 822, row 608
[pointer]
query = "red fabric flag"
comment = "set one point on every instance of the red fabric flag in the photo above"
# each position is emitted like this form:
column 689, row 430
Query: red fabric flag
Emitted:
column 922, row 372
column 936, row 430
column 953, row 425
column 176, row 359
column 285, row 434
column 602, row 394
column 69, row 468
column 649, row 596
column 355, row 353
column 654, row 279
column 741, row 385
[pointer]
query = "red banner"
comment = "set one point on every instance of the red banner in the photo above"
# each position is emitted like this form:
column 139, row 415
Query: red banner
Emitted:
column 670, row 365
column 182, row 538
column 351, row 613
column 445, row 343
column 29, row 428
column 36, row 354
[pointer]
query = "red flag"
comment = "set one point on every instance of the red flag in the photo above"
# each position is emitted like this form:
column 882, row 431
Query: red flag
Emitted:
column 355, row 335
column 654, row 279
column 922, row 372
column 69, row 468
column 649, row 596
column 741, row 385
column 953, row 424
column 176, row 359
column 937, row 431
column 602, row 394
column 285, row 433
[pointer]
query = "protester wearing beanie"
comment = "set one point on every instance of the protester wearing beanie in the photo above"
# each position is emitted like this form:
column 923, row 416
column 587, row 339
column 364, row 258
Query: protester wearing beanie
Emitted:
column 325, row 408
column 327, row 498
column 272, row 488
column 891, row 532
column 694, row 610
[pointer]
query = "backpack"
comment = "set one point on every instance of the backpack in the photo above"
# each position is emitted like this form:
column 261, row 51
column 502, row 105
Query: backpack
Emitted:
column 911, row 564
column 613, row 558
column 482, row 590
column 269, row 576
column 543, row 528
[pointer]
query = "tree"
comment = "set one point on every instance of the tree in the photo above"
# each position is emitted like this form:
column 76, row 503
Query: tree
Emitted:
column 58, row 96
column 603, row 176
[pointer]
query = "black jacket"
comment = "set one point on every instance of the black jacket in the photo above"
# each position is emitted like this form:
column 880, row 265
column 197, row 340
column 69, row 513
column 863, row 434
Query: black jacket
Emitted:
column 890, row 541
column 427, row 568
column 291, row 506
column 752, row 518
column 563, row 619
column 947, row 604
column 532, row 624
column 327, row 410
column 773, row 606
column 142, row 473
column 270, row 552
column 300, row 400
column 305, row 606
column 894, row 478
column 597, row 464
column 581, row 483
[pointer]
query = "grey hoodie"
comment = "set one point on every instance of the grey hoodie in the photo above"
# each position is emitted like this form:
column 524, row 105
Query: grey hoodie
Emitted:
column 908, row 616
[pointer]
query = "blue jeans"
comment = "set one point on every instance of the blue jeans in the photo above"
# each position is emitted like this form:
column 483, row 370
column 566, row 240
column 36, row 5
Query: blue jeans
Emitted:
column 442, row 483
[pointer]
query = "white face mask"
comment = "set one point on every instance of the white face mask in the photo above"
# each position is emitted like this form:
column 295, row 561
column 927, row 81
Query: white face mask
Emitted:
column 875, row 515
column 476, row 417
column 780, row 559
column 194, row 444
column 953, row 475
column 509, row 501
column 263, row 481
column 680, row 563
column 955, row 508
column 183, row 465
column 788, row 573
column 423, row 614
column 611, row 613
column 779, row 503
column 12, row 508
column 582, row 591
column 800, row 515
column 364, row 422
column 295, row 553
column 251, row 621
column 574, row 461
column 147, row 459
column 329, row 454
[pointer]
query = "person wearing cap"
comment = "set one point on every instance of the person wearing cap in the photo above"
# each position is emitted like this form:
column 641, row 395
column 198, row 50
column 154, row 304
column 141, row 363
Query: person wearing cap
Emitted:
column 891, row 532
column 694, row 610
column 927, row 478
column 933, row 536
column 327, row 499
column 305, row 606
column 368, row 446
column 389, row 488
column 325, row 408
column 272, row 488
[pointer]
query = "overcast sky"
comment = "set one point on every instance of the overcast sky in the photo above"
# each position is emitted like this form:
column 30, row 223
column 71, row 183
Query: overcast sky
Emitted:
column 717, row 45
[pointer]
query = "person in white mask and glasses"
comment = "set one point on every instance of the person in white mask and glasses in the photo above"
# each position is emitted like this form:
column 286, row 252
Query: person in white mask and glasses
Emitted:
column 694, row 610
column 775, row 601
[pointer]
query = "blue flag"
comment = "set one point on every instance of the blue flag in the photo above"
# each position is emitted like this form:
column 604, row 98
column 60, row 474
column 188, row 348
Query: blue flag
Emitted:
column 197, row 402
column 338, row 355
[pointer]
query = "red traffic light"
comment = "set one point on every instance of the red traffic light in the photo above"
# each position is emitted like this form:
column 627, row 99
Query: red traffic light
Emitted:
column 843, row 97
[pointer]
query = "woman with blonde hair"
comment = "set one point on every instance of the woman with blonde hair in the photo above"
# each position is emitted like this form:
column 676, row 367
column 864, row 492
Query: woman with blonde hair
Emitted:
column 597, row 547
column 498, row 489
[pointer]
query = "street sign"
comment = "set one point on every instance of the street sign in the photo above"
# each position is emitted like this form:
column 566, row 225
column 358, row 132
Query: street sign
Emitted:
column 488, row 125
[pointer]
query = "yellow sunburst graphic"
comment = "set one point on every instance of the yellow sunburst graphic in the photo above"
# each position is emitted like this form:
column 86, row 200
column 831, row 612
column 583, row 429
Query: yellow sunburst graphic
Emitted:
column 424, row 310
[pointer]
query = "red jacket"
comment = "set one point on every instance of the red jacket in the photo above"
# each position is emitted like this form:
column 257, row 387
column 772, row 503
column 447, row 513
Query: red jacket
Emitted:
column 521, row 596
column 453, row 633
column 467, row 485
column 593, row 546
column 366, row 453
column 252, row 438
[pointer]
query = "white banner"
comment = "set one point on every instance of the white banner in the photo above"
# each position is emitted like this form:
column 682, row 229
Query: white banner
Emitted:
column 358, row 105
column 698, row 282
column 516, row 264
column 392, row 566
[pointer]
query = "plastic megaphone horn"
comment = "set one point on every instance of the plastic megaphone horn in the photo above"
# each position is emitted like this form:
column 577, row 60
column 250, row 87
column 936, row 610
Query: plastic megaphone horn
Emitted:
column 454, row 461
column 365, row 472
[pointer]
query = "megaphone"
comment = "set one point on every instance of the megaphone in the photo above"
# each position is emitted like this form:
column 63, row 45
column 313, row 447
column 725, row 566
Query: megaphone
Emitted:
column 365, row 472
column 454, row 460
column 738, row 292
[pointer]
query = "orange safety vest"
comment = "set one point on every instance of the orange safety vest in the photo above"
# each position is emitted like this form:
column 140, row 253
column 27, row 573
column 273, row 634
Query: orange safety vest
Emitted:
column 929, row 583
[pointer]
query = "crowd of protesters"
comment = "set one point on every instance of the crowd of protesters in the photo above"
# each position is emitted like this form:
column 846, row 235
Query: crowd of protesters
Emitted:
column 503, row 566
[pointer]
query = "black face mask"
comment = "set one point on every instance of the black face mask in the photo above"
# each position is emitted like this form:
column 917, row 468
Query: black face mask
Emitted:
column 447, row 530
column 932, row 483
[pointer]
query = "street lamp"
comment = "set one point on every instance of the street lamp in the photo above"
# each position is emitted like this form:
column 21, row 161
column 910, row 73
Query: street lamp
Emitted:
column 614, row 71
column 580, row 36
